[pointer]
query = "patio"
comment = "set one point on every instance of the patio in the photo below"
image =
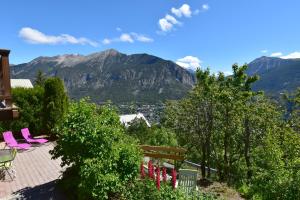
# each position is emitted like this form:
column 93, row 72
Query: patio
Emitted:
column 36, row 175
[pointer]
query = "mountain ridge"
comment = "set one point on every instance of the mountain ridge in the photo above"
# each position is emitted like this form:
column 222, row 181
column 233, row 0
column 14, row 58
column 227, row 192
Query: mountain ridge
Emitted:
column 111, row 75
column 277, row 75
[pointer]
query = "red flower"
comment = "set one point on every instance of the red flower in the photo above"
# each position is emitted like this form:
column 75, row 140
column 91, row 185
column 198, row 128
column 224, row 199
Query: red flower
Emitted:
column 164, row 174
column 158, row 177
column 142, row 171
column 150, row 170
column 174, row 178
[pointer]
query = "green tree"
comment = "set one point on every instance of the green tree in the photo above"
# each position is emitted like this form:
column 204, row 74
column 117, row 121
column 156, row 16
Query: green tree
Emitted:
column 55, row 103
column 30, row 104
column 40, row 78
column 93, row 145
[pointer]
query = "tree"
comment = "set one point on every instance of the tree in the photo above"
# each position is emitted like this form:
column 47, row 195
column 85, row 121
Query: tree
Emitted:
column 55, row 103
column 93, row 145
column 40, row 78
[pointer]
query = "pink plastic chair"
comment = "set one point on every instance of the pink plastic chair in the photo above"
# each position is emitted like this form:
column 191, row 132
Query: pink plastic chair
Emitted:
column 12, row 143
column 30, row 139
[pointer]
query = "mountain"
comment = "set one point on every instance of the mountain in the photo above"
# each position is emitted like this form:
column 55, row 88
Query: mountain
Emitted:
column 111, row 75
column 276, row 74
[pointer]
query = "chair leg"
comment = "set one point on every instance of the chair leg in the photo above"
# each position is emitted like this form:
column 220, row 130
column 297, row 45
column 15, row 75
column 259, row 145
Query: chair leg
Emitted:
column 11, row 175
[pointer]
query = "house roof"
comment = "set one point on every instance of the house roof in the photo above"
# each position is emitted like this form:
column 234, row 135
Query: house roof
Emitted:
column 126, row 119
column 25, row 83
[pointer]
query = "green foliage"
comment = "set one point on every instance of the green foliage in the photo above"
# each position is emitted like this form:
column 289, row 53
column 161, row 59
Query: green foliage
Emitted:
column 29, row 101
column 93, row 143
column 146, row 189
column 161, row 136
column 227, row 126
column 155, row 135
column 40, row 79
column 55, row 103
column 139, row 130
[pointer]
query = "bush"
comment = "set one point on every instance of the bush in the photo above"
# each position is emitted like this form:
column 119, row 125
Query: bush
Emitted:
column 161, row 136
column 139, row 130
column 146, row 190
column 93, row 143
column 55, row 103
column 156, row 135
column 30, row 103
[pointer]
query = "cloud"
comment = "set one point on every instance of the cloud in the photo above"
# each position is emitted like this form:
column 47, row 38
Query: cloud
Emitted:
column 106, row 41
column 34, row 36
column 293, row 55
column 166, row 24
column 128, row 37
column 141, row 37
column 276, row 54
column 119, row 29
column 264, row 51
column 184, row 10
column 227, row 73
column 171, row 19
column 189, row 62
column 205, row 7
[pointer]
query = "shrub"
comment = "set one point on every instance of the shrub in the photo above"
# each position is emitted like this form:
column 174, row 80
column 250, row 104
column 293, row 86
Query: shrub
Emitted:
column 156, row 135
column 30, row 102
column 161, row 136
column 55, row 103
column 93, row 143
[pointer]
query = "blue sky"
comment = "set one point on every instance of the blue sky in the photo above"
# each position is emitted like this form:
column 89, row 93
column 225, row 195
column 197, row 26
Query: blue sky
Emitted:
column 206, row 33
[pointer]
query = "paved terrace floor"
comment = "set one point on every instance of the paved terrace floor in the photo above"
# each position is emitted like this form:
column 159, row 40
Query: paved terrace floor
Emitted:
column 36, row 176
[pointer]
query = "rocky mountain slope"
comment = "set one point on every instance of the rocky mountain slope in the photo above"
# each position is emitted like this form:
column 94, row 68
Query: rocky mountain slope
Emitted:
column 276, row 74
column 111, row 75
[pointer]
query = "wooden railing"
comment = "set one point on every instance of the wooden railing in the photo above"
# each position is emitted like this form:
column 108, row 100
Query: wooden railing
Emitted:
column 160, row 152
column 9, row 112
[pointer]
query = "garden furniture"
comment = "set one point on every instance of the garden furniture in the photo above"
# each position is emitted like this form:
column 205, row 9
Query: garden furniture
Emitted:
column 7, row 157
column 27, row 136
column 12, row 143
column 187, row 180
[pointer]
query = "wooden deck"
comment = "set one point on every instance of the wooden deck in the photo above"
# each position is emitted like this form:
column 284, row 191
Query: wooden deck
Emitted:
column 36, row 176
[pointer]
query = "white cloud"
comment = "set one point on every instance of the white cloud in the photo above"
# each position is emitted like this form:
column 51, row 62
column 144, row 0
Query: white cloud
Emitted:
column 276, row 54
column 264, row 51
column 106, row 41
column 141, row 37
column 128, row 37
column 205, row 7
column 189, row 62
column 34, row 36
column 196, row 12
column 293, row 55
column 227, row 73
column 119, row 29
column 184, row 10
column 171, row 19
column 165, row 25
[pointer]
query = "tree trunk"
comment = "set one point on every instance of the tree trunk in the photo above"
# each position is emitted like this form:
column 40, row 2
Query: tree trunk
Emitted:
column 226, row 146
column 203, row 161
column 247, row 148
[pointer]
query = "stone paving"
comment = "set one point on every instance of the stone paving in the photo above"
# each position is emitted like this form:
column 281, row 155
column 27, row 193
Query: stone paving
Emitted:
column 36, row 176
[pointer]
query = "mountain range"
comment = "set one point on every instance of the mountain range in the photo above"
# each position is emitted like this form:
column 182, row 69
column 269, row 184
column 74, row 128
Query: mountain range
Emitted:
column 276, row 74
column 143, row 78
column 111, row 75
